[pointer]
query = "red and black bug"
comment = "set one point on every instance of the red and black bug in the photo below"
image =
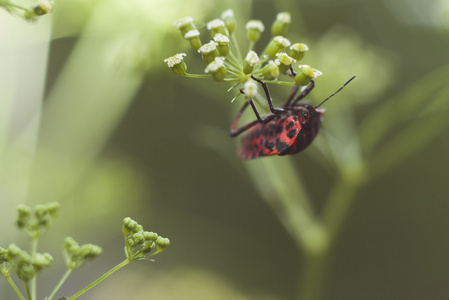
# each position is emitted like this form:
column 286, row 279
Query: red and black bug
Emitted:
column 287, row 130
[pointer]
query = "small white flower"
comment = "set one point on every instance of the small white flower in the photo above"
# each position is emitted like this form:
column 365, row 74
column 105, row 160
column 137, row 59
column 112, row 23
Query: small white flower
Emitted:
column 250, row 89
column 215, row 24
column 221, row 38
column 284, row 17
column 183, row 22
column 208, row 48
column 283, row 58
column 216, row 64
column 255, row 24
column 175, row 59
column 282, row 41
column 299, row 47
column 317, row 73
column 46, row 6
column 229, row 13
column 309, row 71
column 191, row 33
column 252, row 58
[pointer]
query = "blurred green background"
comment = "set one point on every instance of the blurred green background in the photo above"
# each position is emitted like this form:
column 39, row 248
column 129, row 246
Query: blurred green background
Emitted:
column 91, row 116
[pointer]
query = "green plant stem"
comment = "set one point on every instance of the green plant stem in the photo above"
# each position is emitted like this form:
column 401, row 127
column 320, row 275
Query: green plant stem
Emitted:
column 339, row 202
column 101, row 278
column 313, row 275
column 10, row 4
column 278, row 182
column 236, row 47
column 319, row 246
column 13, row 285
column 34, row 243
column 60, row 283
column 27, row 288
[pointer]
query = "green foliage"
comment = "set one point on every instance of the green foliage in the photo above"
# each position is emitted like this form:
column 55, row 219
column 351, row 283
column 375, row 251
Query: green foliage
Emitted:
column 139, row 245
column 391, row 133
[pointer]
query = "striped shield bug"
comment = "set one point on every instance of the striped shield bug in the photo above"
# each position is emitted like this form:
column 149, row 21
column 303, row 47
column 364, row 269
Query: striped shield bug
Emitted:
column 287, row 130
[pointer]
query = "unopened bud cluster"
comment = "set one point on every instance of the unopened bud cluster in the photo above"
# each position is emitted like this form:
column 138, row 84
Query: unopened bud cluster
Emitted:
column 76, row 255
column 224, row 61
column 139, row 244
column 25, row 265
column 36, row 223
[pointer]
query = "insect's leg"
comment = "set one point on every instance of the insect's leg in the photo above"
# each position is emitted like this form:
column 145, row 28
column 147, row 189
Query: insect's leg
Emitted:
column 274, row 110
column 234, row 132
column 292, row 95
column 304, row 92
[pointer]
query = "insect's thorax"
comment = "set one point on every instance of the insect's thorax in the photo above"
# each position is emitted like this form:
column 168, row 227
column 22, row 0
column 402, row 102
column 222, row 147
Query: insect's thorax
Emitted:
column 308, row 115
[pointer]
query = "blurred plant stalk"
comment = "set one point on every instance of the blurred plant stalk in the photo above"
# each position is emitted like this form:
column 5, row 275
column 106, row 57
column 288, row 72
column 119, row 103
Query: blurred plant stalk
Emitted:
column 416, row 116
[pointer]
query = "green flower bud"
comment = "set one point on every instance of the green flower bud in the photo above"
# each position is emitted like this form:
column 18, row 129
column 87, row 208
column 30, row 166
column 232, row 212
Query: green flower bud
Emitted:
column 148, row 235
column 23, row 215
column 31, row 16
column 250, row 89
column 13, row 251
column 3, row 255
column 43, row 8
column 251, row 60
column 25, row 269
column 69, row 244
column 217, row 69
column 228, row 17
column 128, row 223
column 185, row 25
column 209, row 52
column 217, row 26
column 305, row 75
column 193, row 36
column 297, row 51
column 40, row 261
column 179, row 67
column 162, row 243
column 53, row 208
column 270, row 71
column 138, row 237
column 280, row 25
column 223, row 44
column 88, row 252
column 277, row 44
column 284, row 61
column 254, row 29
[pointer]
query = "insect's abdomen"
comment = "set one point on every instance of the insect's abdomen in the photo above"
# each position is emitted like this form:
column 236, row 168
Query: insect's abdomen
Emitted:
column 259, row 141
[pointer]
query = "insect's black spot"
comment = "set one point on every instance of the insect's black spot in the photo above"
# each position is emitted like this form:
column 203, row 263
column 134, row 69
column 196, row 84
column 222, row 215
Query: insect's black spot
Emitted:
column 300, row 141
column 253, row 155
column 256, row 146
column 289, row 125
column 261, row 153
column 295, row 119
column 292, row 133
column 279, row 129
column 269, row 146
column 261, row 141
column 282, row 147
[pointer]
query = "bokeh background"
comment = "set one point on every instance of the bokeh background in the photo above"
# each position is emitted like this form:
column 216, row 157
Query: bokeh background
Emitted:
column 91, row 116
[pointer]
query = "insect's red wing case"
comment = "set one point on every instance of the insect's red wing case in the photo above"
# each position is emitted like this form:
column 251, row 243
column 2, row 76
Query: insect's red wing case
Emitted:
column 272, row 138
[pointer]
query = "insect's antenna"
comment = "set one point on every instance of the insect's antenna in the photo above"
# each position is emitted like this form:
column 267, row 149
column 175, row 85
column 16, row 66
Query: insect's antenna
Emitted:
column 336, row 92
